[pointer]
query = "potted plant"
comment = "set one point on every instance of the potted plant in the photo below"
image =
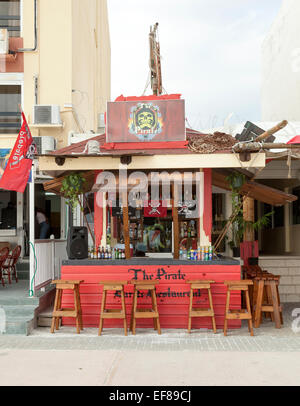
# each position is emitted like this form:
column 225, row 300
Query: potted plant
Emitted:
column 239, row 224
column 73, row 186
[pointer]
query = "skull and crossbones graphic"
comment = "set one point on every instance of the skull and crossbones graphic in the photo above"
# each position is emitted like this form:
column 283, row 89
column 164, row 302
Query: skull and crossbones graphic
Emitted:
column 154, row 207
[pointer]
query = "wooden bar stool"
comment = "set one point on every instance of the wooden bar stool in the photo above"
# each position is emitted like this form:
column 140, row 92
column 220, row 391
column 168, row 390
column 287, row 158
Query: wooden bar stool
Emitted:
column 117, row 286
column 240, row 314
column 200, row 312
column 266, row 299
column 58, row 312
column 145, row 313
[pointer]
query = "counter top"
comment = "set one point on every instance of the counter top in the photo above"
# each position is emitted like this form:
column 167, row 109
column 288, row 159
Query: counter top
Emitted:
column 147, row 261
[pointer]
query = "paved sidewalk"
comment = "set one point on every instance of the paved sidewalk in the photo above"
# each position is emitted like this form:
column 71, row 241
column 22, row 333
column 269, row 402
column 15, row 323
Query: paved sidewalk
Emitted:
column 266, row 339
column 270, row 358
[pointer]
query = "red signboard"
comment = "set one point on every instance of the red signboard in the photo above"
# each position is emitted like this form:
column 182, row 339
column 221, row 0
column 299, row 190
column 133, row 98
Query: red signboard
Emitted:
column 146, row 121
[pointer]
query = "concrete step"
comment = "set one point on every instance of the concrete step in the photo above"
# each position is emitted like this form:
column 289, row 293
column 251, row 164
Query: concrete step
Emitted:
column 44, row 318
column 17, row 319
column 12, row 311
column 18, row 326
column 18, row 312
column 19, row 301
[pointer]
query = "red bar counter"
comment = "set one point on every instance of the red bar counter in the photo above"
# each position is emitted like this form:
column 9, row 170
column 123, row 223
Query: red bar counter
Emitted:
column 172, row 292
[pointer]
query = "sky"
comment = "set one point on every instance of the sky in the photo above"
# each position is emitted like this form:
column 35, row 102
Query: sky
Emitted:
column 210, row 50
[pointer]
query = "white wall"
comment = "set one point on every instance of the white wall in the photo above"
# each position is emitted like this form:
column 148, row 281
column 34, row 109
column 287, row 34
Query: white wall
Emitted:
column 281, row 66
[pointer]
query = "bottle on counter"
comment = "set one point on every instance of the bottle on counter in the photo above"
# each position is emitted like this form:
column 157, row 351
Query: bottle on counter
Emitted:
column 211, row 252
column 188, row 255
column 202, row 254
column 180, row 253
column 123, row 254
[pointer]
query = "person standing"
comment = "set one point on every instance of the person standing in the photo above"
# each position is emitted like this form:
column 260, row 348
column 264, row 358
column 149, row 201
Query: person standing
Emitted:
column 43, row 223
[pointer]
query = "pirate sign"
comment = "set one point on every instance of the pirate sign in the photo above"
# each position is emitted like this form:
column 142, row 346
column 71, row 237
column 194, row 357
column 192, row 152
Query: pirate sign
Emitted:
column 145, row 121
column 154, row 208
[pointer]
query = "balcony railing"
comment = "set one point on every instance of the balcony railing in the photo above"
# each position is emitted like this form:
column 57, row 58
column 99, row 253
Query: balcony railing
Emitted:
column 49, row 255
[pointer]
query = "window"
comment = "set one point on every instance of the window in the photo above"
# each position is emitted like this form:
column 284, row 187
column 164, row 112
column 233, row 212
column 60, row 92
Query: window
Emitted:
column 8, row 210
column 10, row 117
column 10, row 17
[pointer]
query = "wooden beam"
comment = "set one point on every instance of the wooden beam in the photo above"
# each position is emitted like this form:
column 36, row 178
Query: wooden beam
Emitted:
column 248, row 214
column 126, row 225
column 257, row 146
column 175, row 220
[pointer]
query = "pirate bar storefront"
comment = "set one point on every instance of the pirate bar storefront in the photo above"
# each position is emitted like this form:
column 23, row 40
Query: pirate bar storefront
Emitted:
column 151, row 202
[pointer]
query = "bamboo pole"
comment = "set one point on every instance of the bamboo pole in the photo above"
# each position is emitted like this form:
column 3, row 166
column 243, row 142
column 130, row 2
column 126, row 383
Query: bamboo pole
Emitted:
column 175, row 221
column 126, row 224
column 272, row 131
column 248, row 214
column 256, row 146
column 87, row 223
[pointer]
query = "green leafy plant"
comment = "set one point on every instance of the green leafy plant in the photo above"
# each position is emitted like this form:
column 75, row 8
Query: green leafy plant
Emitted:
column 72, row 188
column 240, row 225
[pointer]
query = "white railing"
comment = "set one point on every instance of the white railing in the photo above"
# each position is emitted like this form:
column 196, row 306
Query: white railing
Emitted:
column 49, row 255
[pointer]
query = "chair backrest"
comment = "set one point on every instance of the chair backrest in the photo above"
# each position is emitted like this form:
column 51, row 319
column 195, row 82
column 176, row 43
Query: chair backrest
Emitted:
column 3, row 255
column 16, row 254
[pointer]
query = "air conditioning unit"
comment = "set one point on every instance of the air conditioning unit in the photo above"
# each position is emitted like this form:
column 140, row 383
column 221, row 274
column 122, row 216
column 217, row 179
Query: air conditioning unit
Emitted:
column 4, row 41
column 46, row 114
column 44, row 144
column 74, row 138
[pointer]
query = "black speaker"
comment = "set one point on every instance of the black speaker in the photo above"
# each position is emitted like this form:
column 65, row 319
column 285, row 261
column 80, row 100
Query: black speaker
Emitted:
column 77, row 243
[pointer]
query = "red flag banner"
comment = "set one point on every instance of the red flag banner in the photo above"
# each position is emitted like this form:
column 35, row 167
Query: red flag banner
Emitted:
column 17, row 171
column 155, row 208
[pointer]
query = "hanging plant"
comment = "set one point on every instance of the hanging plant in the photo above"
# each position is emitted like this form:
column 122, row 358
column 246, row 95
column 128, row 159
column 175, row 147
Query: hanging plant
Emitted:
column 72, row 188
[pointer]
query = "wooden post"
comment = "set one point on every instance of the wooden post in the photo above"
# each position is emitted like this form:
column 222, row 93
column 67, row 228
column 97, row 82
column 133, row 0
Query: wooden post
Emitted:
column 287, row 225
column 248, row 213
column 175, row 220
column 126, row 224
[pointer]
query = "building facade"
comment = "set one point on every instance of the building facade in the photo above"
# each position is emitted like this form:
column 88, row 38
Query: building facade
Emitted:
column 281, row 66
column 55, row 64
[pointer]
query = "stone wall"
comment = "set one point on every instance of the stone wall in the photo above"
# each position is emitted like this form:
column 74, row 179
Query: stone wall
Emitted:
column 289, row 269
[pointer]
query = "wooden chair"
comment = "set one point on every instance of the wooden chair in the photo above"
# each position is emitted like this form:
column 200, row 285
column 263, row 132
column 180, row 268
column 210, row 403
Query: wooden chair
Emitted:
column 58, row 312
column 145, row 313
column 240, row 314
column 200, row 312
column 4, row 252
column 9, row 266
column 266, row 299
column 113, row 313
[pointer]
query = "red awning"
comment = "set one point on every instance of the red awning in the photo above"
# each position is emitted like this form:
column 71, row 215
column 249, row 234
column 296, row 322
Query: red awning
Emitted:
column 295, row 140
